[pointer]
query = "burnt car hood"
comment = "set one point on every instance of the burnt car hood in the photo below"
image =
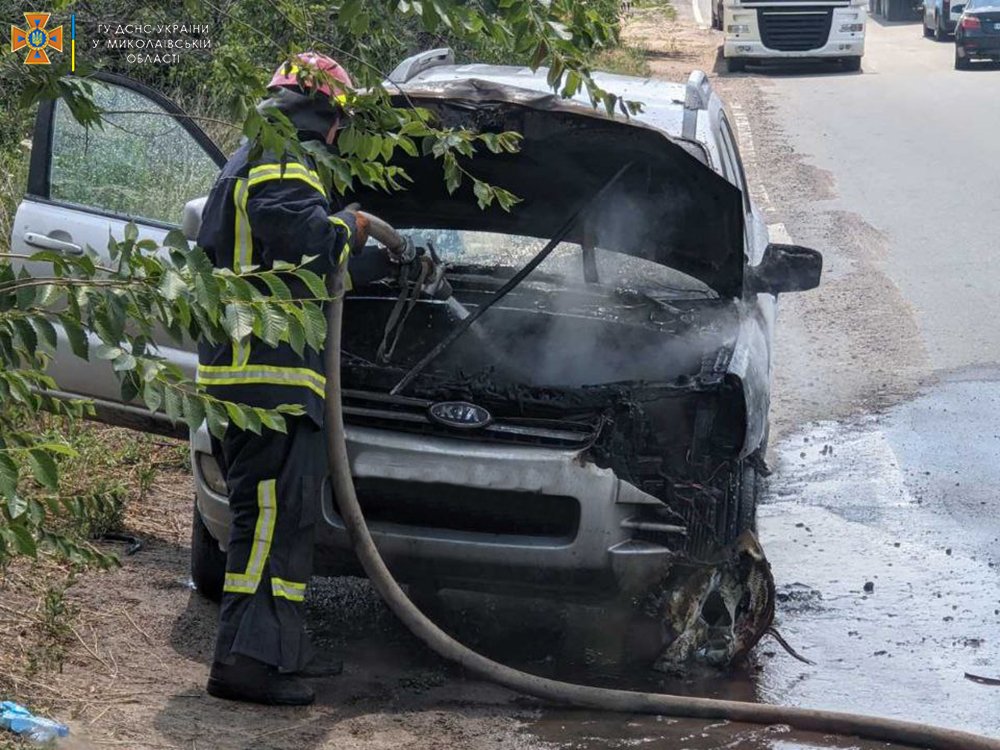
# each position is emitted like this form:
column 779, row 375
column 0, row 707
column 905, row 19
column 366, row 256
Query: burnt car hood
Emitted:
column 668, row 207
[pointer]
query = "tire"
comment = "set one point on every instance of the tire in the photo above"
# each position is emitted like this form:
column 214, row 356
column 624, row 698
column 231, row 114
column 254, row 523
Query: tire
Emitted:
column 736, row 64
column 208, row 562
column 928, row 32
column 739, row 509
column 961, row 63
column 852, row 64
column 940, row 34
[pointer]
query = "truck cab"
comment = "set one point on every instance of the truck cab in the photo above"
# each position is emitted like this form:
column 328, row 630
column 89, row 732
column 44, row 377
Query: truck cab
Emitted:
column 792, row 29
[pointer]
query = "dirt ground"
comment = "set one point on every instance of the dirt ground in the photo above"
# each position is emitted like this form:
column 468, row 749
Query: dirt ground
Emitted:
column 137, row 658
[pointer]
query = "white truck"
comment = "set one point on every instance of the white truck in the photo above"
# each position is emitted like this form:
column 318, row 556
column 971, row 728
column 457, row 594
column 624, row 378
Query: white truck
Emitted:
column 791, row 29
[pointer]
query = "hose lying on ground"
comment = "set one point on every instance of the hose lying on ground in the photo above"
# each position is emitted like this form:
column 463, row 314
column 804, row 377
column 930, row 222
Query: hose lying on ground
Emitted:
column 580, row 696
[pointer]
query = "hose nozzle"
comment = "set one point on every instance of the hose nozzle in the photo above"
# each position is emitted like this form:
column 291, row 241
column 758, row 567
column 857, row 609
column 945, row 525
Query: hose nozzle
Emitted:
column 400, row 248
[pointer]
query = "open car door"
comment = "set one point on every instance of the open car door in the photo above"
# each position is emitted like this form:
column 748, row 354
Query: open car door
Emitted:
column 143, row 165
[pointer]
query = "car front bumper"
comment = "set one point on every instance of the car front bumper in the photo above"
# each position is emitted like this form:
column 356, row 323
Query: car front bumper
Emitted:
column 445, row 512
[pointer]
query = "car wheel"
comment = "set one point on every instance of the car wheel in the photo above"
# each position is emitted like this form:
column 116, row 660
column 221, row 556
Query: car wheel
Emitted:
column 208, row 562
column 736, row 64
column 939, row 33
column 738, row 511
column 961, row 63
column 928, row 31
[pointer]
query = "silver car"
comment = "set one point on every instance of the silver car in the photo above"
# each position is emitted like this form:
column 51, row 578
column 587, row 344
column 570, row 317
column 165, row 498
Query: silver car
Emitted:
column 605, row 422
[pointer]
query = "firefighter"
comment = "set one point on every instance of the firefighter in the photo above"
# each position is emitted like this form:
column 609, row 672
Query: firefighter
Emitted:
column 261, row 211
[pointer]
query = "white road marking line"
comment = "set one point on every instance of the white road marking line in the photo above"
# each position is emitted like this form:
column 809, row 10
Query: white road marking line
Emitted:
column 749, row 153
column 776, row 232
column 698, row 17
column 779, row 233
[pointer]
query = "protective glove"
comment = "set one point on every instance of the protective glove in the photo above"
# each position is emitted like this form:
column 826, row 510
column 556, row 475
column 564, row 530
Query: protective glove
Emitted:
column 360, row 237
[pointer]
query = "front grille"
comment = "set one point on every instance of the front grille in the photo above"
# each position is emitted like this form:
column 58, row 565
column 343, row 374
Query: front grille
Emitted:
column 369, row 409
column 435, row 506
column 794, row 29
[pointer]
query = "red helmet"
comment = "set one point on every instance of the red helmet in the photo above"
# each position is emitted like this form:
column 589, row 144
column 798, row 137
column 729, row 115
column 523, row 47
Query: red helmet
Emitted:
column 287, row 74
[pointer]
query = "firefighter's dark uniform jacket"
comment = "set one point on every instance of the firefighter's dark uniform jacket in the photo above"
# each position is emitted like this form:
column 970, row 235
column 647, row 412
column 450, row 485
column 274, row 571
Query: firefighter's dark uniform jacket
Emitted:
column 260, row 212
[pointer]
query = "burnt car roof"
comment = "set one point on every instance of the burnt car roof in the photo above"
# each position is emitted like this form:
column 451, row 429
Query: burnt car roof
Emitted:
column 668, row 207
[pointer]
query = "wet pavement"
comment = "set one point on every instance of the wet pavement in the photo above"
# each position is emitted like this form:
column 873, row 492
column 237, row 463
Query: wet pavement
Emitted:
column 883, row 535
column 906, row 502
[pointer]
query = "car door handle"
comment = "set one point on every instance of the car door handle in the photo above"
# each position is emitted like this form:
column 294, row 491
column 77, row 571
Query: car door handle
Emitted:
column 51, row 243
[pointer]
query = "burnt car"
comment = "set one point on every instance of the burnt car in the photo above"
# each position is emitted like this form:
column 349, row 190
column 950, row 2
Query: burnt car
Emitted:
column 598, row 430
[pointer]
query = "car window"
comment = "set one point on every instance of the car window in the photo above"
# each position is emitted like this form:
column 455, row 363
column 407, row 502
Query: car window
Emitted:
column 139, row 163
column 495, row 250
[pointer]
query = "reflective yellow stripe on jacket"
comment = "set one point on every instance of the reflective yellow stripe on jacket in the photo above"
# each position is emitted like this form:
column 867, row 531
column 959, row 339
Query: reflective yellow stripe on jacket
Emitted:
column 287, row 171
column 262, row 375
column 345, row 252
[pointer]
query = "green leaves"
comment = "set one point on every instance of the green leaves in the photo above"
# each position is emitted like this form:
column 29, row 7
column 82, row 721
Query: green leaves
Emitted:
column 44, row 469
column 113, row 312
column 238, row 321
column 75, row 334
column 9, row 474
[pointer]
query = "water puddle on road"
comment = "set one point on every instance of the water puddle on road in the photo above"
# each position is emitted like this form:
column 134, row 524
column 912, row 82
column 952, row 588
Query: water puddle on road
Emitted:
column 884, row 538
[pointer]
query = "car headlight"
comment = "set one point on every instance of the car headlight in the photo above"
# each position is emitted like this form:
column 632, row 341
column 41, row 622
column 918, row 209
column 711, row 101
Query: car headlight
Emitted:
column 738, row 28
column 846, row 27
column 212, row 474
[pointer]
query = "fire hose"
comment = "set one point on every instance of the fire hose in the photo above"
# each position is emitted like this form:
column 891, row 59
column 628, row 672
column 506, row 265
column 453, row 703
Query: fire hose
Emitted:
column 564, row 693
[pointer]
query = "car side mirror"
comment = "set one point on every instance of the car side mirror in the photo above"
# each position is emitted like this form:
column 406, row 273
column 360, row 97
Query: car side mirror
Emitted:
column 785, row 268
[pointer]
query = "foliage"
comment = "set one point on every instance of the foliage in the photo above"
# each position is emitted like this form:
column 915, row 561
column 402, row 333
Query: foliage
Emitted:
column 107, row 307
column 108, row 304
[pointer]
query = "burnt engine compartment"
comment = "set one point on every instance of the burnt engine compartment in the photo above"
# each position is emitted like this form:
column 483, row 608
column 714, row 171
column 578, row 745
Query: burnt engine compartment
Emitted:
column 642, row 380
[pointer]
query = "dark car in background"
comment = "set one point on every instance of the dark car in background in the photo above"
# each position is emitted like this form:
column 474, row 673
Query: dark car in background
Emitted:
column 977, row 36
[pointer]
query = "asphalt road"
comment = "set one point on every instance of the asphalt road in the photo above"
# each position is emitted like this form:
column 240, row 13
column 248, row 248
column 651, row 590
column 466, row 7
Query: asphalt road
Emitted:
column 912, row 147
column 888, row 399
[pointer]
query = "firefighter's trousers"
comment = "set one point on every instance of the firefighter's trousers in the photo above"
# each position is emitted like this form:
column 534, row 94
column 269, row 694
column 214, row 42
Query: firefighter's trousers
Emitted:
column 275, row 485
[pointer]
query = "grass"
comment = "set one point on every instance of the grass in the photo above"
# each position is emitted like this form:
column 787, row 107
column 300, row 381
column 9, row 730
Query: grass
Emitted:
column 112, row 476
column 625, row 60
column 114, row 467
column 629, row 58
column 664, row 7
